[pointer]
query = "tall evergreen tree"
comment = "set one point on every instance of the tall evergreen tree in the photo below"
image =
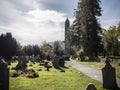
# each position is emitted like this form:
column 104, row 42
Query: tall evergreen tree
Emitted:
column 87, row 14
column 75, row 31
column 8, row 46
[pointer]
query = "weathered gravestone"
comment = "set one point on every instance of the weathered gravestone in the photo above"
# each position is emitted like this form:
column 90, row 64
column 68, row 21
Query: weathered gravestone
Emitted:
column 61, row 62
column 4, row 75
column 91, row 86
column 47, row 66
column 19, row 65
column 109, row 76
column 33, row 59
column 55, row 61
column 22, row 63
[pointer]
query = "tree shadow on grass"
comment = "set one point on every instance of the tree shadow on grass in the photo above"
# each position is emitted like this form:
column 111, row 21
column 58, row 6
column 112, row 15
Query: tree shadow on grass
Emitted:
column 61, row 69
column 66, row 67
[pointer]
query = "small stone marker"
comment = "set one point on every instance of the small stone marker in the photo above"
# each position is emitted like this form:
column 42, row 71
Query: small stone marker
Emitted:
column 4, row 75
column 91, row 86
column 46, row 65
column 109, row 76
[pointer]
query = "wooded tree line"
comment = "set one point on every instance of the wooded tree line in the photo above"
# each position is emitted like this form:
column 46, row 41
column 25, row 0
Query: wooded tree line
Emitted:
column 88, row 36
column 10, row 47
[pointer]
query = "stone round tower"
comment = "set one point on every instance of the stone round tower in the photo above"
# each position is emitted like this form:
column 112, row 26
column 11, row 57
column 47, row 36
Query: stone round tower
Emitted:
column 67, row 27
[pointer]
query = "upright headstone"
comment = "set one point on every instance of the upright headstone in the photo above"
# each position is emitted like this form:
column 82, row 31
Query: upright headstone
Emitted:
column 91, row 86
column 109, row 76
column 61, row 62
column 55, row 61
column 24, row 62
column 19, row 65
column 33, row 59
column 46, row 66
column 4, row 75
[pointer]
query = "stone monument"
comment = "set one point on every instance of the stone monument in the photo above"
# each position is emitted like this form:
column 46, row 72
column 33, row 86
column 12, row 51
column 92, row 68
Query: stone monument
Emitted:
column 109, row 76
column 4, row 75
column 67, row 27
column 56, row 61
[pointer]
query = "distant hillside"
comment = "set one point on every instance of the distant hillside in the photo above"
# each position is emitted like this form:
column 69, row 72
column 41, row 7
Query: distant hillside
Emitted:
column 62, row 44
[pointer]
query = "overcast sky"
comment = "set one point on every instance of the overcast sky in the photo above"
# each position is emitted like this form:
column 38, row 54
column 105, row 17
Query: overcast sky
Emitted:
column 34, row 21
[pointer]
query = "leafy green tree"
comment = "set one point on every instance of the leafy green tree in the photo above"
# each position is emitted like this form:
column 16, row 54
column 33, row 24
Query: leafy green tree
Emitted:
column 111, row 40
column 118, row 30
column 46, row 49
column 31, row 50
column 118, row 37
column 36, row 50
column 27, row 50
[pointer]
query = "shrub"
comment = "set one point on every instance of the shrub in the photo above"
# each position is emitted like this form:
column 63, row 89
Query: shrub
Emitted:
column 82, row 56
column 39, row 70
column 15, row 74
column 119, row 64
column 33, row 75
column 13, row 68
column 30, row 65
column 18, row 67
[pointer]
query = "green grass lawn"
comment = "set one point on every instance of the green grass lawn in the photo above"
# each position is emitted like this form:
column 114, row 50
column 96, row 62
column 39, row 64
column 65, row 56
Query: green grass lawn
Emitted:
column 100, row 65
column 71, row 79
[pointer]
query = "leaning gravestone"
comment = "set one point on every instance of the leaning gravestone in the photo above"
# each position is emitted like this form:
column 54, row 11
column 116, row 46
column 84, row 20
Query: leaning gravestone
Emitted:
column 91, row 86
column 4, row 75
column 109, row 76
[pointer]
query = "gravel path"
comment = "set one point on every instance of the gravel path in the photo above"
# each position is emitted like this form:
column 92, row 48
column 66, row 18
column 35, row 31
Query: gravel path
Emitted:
column 90, row 72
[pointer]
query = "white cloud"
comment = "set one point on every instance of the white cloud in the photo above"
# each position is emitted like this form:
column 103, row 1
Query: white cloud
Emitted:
column 46, row 16
column 34, row 25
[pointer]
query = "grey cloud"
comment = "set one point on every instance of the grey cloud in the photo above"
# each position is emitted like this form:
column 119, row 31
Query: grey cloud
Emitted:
column 14, row 18
column 64, row 6
column 51, row 23
column 14, row 10
column 2, row 30
column 21, row 5
column 110, row 14
column 8, row 13
column 4, row 20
